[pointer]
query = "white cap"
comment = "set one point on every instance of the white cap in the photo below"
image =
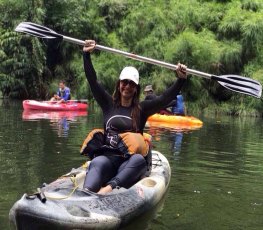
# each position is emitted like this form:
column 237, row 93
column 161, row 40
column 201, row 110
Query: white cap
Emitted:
column 130, row 73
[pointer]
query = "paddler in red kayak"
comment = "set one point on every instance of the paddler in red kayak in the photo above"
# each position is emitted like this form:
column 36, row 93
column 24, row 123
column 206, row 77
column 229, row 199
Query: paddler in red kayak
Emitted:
column 63, row 93
column 119, row 152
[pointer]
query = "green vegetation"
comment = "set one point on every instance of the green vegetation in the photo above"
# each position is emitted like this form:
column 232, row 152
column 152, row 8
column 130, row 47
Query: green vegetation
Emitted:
column 219, row 37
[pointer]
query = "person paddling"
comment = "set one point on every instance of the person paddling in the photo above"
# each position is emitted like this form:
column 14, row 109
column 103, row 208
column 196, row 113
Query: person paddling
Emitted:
column 113, row 163
column 63, row 93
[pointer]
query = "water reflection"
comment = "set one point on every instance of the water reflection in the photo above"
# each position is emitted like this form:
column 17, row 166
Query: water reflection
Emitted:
column 178, row 139
column 59, row 120
column 174, row 130
column 176, row 136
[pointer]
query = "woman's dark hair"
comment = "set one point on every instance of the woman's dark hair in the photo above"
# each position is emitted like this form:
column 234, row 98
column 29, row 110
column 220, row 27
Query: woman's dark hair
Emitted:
column 135, row 114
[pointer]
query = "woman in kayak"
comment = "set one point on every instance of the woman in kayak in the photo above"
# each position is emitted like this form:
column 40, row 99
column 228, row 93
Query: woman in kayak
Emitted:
column 122, row 114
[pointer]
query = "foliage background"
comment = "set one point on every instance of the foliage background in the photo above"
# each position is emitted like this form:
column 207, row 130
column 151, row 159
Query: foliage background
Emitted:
column 219, row 37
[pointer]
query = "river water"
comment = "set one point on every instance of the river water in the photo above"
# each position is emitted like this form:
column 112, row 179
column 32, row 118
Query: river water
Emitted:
column 217, row 170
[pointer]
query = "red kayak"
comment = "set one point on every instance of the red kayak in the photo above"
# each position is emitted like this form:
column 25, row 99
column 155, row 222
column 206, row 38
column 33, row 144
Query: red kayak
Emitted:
column 54, row 106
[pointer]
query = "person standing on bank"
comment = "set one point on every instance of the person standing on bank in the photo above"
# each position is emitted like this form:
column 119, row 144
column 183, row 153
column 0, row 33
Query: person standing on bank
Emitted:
column 122, row 114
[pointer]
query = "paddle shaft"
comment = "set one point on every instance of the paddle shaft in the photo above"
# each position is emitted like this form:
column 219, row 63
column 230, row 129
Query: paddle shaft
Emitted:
column 139, row 58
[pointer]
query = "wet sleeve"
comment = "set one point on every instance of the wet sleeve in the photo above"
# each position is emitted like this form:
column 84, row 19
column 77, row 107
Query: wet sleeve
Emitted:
column 150, row 107
column 99, row 93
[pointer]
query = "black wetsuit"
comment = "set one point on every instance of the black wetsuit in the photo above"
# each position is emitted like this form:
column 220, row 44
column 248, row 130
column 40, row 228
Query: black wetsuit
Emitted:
column 115, row 170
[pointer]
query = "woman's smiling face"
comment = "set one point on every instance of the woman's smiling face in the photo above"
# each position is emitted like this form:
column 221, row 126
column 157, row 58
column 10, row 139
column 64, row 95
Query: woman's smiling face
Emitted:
column 127, row 88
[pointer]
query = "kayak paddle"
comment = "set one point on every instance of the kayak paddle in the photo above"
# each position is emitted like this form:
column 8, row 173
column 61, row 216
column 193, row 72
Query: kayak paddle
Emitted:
column 234, row 83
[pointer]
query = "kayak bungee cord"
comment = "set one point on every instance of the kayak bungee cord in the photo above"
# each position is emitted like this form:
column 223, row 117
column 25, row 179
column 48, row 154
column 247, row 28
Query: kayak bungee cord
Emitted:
column 72, row 177
column 43, row 197
column 158, row 161
column 76, row 186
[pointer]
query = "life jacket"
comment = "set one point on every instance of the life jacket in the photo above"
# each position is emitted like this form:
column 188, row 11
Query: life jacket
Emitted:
column 128, row 144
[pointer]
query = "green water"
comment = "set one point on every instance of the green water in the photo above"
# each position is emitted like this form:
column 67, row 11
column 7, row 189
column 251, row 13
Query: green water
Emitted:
column 216, row 179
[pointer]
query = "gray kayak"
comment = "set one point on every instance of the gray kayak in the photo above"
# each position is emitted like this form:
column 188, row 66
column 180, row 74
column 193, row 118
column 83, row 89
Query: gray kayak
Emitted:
column 63, row 204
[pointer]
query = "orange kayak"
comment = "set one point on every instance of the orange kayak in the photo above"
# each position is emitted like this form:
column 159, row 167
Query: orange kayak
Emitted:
column 173, row 121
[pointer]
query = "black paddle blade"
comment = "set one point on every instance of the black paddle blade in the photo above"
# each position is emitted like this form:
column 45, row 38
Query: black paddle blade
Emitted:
column 37, row 31
column 240, row 84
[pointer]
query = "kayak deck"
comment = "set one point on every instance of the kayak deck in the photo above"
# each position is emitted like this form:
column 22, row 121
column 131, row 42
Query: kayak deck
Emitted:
column 68, row 206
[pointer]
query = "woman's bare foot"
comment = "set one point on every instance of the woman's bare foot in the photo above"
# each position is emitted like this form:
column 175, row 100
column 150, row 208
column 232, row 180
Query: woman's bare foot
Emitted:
column 105, row 190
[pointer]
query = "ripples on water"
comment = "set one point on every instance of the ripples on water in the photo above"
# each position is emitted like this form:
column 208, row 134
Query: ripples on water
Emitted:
column 216, row 171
